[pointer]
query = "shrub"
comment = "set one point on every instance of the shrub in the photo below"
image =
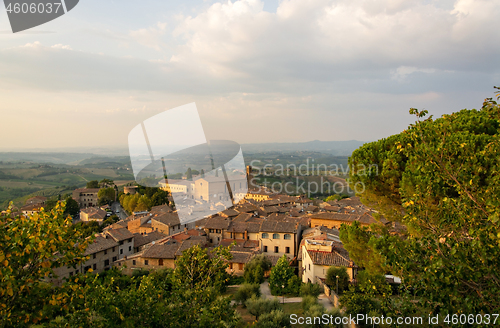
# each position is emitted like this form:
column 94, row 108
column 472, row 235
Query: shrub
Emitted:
column 274, row 319
column 254, row 270
column 310, row 289
column 245, row 292
column 331, row 279
column 258, row 306
column 307, row 302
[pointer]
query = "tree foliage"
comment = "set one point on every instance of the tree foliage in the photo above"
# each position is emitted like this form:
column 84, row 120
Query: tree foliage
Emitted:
column 93, row 184
column 245, row 292
column 258, row 306
column 440, row 180
column 281, row 273
column 31, row 247
column 254, row 270
column 343, row 280
column 106, row 195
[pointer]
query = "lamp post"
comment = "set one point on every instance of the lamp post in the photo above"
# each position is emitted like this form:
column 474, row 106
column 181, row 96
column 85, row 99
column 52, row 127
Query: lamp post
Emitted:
column 337, row 285
column 283, row 292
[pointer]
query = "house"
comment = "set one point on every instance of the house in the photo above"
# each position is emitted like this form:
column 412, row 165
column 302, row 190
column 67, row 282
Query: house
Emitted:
column 103, row 252
column 280, row 236
column 216, row 228
column 125, row 240
column 335, row 220
column 319, row 255
column 166, row 223
column 141, row 240
column 156, row 256
column 36, row 200
column 93, row 214
column 86, row 197
column 31, row 209
column 139, row 224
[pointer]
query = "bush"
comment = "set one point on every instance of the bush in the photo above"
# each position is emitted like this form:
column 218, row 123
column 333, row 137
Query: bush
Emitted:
column 274, row 319
column 245, row 292
column 307, row 302
column 235, row 280
column 310, row 289
column 331, row 279
column 259, row 306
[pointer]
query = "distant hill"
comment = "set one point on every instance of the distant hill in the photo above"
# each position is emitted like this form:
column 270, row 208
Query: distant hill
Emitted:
column 338, row 148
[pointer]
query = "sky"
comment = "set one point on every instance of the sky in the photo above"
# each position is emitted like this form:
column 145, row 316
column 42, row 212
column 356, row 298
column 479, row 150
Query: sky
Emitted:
column 258, row 71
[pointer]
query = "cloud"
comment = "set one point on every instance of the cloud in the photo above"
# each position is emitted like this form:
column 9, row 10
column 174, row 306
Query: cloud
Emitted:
column 150, row 37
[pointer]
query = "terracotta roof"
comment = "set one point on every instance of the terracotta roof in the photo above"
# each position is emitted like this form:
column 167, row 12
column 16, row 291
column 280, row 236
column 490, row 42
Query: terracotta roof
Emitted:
column 169, row 219
column 120, row 234
column 240, row 243
column 89, row 190
column 229, row 213
column 141, row 240
column 161, row 209
column 244, row 226
column 157, row 251
column 187, row 244
column 331, row 208
column 278, row 226
column 240, row 257
column 329, row 258
column 217, row 222
column 100, row 243
column 242, row 217
column 246, row 208
column 95, row 213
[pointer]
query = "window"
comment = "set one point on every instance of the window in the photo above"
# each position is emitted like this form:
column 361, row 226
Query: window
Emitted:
column 105, row 251
column 133, row 262
column 106, row 263
column 71, row 273
column 121, row 243
column 113, row 249
column 240, row 266
column 265, row 249
column 114, row 259
column 130, row 248
column 309, row 267
column 87, row 268
column 93, row 256
column 121, row 251
column 94, row 267
column 276, row 249
column 146, row 262
column 129, row 240
column 287, row 236
column 265, row 235
column 276, row 236
column 160, row 262
column 287, row 250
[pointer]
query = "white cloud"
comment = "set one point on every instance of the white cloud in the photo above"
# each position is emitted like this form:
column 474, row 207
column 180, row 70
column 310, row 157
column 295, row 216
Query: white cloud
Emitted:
column 150, row 37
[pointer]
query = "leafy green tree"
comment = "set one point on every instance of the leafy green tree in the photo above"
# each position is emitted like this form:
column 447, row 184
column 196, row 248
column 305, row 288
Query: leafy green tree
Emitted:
column 245, row 292
column 93, row 184
column 343, row 280
column 106, row 183
column 31, row 247
column 258, row 306
column 294, row 285
column 199, row 269
column 254, row 270
column 106, row 195
column 71, row 207
column 439, row 179
column 281, row 273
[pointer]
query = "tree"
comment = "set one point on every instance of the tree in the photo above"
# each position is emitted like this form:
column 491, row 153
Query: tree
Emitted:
column 202, row 173
column 189, row 174
column 31, row 247
column 281, row 273
column 258, row 306
column 254, row 270
column 71, row 207
column 106, row 195
column 197, row 269
column 93, row 184
column 245, row 292
column 439, row 179
column 343, row 280
column 106, row 183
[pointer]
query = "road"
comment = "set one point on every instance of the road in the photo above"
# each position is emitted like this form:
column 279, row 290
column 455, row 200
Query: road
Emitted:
column 115, row 206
